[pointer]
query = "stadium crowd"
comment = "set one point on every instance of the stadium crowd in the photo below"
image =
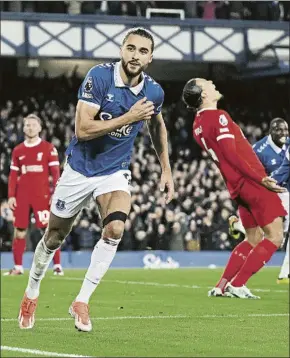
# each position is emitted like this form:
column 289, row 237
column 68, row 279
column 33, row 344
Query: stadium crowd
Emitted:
column 197, row 219
column 236, row 10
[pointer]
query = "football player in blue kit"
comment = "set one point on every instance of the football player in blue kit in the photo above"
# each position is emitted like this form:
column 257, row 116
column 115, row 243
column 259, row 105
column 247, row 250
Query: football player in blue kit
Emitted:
column 271, row 150
column 114, row 101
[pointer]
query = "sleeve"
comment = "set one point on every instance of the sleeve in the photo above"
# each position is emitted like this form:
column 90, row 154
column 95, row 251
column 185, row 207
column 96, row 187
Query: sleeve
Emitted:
column 52, row 156
column 158, row 102
column 91, row 90
column 282, row 174
column 13, row 176
column 225, row 137
column 53, row 163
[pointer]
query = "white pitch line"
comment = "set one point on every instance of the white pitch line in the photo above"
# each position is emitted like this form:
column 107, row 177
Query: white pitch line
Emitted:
column 100, row 318
column 174, row 285
column 158, row 317
column 38, row 352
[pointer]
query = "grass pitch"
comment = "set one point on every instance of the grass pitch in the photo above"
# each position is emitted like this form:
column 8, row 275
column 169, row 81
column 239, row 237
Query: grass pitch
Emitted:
column 143, row 313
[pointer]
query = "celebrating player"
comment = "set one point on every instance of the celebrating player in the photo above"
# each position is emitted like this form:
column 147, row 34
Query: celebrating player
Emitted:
column 271, row 151
column 121, row 97
column 29, row 188
column 260, row 208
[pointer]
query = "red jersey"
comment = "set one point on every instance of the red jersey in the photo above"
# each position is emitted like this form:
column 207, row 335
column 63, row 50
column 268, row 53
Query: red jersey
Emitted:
column 30, row 167
column 223, row 139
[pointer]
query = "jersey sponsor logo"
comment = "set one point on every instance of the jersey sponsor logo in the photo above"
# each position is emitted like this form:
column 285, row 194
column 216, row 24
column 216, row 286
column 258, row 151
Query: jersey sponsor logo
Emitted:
column 223, row 120
column 109, row 97
column 118, row 133
column 31, row 168
column 87, row 95
column 60, row 205
column 123, row 131
column 89, row 84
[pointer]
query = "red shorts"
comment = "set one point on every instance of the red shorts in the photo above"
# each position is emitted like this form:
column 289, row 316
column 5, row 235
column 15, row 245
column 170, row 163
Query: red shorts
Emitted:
column 40, row 208
column 258, row 206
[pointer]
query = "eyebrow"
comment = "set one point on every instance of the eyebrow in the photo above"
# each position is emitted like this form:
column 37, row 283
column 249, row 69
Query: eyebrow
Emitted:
column 141, row 49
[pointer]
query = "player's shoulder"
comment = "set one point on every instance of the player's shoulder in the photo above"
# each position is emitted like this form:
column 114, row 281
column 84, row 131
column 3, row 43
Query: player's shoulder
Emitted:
column 46, row 144
column 153, row 87
column 215, row 116
column 102, row 70
column 261, row 145
column 19, row 148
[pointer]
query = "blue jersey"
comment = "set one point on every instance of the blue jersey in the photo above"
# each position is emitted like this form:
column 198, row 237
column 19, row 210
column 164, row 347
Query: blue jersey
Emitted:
column 282, row 174
column 104, row 89
column 270, row 155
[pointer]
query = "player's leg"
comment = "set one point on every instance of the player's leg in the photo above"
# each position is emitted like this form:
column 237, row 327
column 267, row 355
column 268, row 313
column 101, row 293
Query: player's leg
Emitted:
column 55, row 234
column 114, row 209
column 238, row 256
column 266, row 209
column 40, row 208
column 284, row 272
column 262, row 253
column 74, row 190
column 21, row 223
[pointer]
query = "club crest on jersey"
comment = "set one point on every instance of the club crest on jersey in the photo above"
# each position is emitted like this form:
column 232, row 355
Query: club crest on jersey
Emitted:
column 223, row 120
column 89, row 84
column 60, row 205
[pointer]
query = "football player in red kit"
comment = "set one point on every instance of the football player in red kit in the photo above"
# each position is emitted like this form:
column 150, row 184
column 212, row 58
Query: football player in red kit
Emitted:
column 33, row 161
column 260, row 207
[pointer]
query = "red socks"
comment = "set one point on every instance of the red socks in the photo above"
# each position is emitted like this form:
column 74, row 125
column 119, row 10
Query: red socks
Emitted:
column 18, row 248
column 257, row 258
column 236, row 261
column 56, row 257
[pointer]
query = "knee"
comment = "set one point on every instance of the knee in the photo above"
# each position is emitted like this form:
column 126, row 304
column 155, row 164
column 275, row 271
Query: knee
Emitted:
column 20, row 233
column 277, row 239
column 114, row 230
column 54, row 237
column 254, row 241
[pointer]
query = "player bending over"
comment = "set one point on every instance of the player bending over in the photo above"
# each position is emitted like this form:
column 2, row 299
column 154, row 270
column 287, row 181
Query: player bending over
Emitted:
column 271, row 151
column 260, row 208
column 121, row 97
column 29, row 188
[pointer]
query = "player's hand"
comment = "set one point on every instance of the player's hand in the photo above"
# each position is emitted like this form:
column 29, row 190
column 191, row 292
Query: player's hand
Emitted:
column 141, row 110
column 167, row 185
column 12, row 203
column 271, row 184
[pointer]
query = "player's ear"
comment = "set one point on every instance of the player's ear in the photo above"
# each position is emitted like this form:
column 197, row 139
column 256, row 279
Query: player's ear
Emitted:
column 151, row 58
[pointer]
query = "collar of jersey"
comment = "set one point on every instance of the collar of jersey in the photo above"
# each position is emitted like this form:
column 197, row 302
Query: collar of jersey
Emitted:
column 276, row 149
column 205, row 109
column 29, row 145
column 119, row 82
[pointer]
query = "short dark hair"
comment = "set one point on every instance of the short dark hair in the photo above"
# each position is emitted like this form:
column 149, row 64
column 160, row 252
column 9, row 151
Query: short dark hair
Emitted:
column 140, row 31
column 191, row 95
column 274, row 122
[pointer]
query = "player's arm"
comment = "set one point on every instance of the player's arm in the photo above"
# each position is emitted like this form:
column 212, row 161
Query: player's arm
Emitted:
column 225, row 137
column 158, row 135
column 12, row 180
column 53, row 164
column 282, row 174
column 91, row 94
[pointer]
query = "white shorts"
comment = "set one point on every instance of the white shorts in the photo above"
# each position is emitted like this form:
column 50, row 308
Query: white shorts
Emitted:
column 74, row 190
column 285, row 201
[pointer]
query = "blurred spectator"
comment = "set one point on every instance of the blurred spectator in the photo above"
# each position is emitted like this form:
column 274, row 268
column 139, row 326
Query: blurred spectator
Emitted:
column 235, row 10
column 197, row 217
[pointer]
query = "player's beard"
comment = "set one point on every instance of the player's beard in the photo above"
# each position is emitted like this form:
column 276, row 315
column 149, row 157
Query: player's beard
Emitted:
column 129, row 73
